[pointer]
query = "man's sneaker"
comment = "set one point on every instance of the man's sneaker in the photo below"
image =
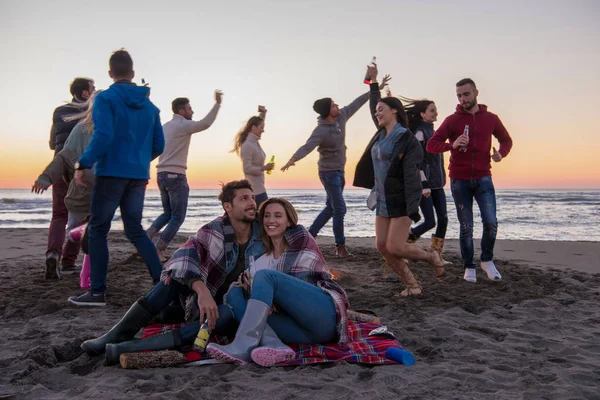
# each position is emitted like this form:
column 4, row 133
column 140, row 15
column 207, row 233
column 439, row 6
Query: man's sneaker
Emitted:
column 470, row 275
column 70, row 269
column 490, row 270
column 341, row 250
column 88, row 299
column 52, row 266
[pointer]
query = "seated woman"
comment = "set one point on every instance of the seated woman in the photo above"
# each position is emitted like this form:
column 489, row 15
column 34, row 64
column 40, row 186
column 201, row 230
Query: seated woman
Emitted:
column 293, row 298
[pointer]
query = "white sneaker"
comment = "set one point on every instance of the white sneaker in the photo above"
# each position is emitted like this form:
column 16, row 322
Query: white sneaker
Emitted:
column 470, row 275
column 490, row 270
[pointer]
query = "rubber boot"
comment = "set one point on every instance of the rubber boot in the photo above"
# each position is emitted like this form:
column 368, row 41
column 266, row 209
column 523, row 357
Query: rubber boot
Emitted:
column 247, row 336
column 135, row 319
column 271, row 350
column 165, row 341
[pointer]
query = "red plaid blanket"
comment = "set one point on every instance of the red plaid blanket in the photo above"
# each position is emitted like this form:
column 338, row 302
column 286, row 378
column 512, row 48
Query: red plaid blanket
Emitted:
column 361, row 348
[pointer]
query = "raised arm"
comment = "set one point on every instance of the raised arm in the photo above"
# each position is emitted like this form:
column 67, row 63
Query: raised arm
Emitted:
column 206, row 122
column 353, row 107
column 375, row 90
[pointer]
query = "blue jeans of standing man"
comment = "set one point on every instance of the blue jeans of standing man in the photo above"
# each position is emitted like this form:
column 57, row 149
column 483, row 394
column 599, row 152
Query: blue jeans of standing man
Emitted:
column 174, row 195
column 333, row 182
column 436, row 201
column 109, row 193
column 306, row 314
column 162, row 295
column 463, row 192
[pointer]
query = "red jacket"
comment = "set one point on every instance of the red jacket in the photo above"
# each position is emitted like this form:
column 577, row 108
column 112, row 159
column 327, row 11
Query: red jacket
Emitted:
column 475, row 162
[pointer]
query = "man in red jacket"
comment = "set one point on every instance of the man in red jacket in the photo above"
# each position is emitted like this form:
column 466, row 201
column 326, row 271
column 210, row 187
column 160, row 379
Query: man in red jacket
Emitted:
column 467, row 134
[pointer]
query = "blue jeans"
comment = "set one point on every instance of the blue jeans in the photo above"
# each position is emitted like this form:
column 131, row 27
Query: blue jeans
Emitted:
column 162, row 295
column 333, row 182
column 109, row 193
column 261, row 198
column 436, row 201
column 174, row 195
column 463, row 192
column 307, row 313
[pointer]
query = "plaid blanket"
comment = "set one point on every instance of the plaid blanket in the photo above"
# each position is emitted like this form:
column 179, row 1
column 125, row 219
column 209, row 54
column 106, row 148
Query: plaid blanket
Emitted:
column 360, row 348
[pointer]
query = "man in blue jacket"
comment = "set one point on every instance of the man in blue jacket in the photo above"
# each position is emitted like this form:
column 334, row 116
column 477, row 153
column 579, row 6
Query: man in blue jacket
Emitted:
column 127, row 136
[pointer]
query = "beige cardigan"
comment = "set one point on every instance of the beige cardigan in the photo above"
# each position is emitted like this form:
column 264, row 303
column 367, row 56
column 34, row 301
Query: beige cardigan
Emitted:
column 253, row 159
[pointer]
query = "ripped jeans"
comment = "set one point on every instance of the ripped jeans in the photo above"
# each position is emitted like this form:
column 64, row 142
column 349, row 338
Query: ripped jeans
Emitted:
column 463, row 192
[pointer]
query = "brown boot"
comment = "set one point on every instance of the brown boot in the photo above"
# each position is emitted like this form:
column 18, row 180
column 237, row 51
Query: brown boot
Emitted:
column 437, row 244
column 413, row 288
column 341, row 250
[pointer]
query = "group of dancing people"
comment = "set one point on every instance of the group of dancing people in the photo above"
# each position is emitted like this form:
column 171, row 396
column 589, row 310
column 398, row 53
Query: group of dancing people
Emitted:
column 254, row 271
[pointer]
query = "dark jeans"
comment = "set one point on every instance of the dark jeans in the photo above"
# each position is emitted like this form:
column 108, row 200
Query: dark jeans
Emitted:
column 109, row 193
column 463, row 192
column 174, row 194
column 56, row 232
column 306, row 314
column 162, row 295
column 333, row 182
column 436, row 201
column 261, row 198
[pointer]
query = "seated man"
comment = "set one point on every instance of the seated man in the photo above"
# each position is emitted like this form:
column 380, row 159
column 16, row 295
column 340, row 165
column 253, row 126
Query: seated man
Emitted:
column 200, row 271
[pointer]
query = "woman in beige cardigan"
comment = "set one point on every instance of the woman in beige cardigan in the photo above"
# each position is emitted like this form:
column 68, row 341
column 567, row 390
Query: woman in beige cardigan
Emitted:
column 247, row 146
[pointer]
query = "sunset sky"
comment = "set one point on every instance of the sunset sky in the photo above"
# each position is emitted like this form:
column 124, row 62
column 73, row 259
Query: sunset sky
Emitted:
column 535, row 64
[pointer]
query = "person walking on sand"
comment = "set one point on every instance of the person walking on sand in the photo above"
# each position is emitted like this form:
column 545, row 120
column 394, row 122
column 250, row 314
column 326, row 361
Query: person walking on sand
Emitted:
column 330, row 138
column 467, row 134
column 247, row 146
column 81, row 89
column 172, row 166
column 390, row 167
column 127, row 136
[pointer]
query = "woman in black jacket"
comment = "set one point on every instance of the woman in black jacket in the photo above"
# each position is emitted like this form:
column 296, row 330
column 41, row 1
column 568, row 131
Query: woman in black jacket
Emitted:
column 421, row 115
column 390, row 167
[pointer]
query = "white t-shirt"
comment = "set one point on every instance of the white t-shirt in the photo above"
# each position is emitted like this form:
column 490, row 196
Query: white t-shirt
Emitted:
column 266, row 261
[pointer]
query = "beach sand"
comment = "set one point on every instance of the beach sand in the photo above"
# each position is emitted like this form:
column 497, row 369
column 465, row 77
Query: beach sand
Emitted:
column 534, row 335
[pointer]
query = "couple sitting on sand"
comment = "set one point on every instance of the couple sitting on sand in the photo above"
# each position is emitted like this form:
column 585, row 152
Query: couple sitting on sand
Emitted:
column 265, row 276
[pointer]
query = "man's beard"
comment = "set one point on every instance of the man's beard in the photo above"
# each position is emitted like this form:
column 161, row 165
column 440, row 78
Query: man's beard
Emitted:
column 248, row 220
column 469, row 106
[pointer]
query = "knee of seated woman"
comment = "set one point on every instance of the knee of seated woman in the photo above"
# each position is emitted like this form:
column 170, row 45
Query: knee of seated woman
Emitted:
column 266, row 274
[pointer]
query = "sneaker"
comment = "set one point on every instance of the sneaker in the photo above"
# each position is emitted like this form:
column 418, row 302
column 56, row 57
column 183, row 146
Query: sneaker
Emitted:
column 490, row 270
column 70, row 269
column 52, row 266
column 341, row 250
column 88, row 299
column 470, row 275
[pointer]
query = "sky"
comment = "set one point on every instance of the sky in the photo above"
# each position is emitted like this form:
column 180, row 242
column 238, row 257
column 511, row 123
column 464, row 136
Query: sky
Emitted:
column 535, row 64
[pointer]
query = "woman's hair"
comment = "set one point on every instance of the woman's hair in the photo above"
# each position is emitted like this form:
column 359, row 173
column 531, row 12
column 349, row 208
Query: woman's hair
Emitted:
column 290, row 211
column 86, row 115
column 413, row 109
column 241, row 136
column 395, row 104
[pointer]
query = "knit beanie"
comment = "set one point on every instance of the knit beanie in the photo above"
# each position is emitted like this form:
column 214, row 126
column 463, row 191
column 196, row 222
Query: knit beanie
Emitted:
column 323, row 107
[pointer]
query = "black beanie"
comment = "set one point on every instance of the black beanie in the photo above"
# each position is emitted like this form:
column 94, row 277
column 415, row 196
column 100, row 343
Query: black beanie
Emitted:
column 323, row 107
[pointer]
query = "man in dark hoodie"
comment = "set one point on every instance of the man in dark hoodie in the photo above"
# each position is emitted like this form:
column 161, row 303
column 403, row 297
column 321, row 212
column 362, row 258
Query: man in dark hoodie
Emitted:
column 81, row 89
column 127, row 136
column 467, row 134
column 330, row 137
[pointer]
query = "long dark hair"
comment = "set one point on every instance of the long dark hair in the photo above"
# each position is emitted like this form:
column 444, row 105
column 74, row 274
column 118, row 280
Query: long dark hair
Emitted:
column 242, row 135
column 395, row 104
column 290, row 211
column 413, row 109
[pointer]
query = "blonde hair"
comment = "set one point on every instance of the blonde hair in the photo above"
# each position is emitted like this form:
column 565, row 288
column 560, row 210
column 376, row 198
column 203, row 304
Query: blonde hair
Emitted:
column 84, row 117
column 242, row 135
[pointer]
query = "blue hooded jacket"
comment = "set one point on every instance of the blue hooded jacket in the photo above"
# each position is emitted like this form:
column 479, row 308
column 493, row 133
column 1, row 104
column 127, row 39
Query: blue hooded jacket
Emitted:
column 127, row 134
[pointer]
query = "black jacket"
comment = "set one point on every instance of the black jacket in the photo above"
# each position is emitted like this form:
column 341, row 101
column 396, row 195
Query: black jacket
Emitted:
column 61, row 130
column 403, row 182
column 433, row 164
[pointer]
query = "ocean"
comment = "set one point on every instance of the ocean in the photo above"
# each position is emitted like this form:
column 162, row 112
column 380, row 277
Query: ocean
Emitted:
column 571, row 215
